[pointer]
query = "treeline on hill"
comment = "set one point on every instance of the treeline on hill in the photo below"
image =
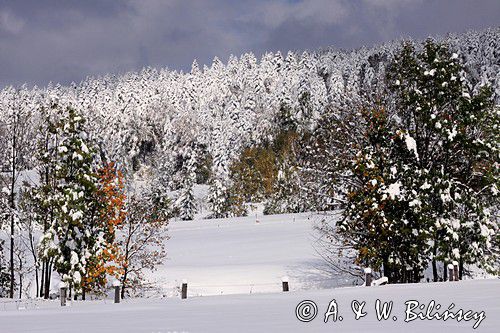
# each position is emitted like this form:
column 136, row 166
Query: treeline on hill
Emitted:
column 403, row 138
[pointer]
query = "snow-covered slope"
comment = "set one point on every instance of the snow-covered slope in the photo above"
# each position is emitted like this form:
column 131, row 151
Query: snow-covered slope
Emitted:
column 266, row 312
column 243, row 255
column 247, row 257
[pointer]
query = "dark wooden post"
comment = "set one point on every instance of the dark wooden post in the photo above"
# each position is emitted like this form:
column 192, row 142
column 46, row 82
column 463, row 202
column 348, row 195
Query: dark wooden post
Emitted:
column 284, row 282
column 455, row 270
column 451, row 274
column 116, row 285
column 184, row 289
column 63, row 293
column 368, row 277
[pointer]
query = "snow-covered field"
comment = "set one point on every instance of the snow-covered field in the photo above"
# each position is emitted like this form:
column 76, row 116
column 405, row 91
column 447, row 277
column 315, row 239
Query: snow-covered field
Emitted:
column 265, row 312
column 234, row 269
column 243, row 255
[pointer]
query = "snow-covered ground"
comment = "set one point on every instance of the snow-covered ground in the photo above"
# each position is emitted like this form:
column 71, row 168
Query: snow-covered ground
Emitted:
column 234, row 269
column 273, row 312
column 243, row 255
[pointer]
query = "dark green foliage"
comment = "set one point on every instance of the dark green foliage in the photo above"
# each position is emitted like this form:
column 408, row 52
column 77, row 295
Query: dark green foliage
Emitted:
column 72, row 196
column 4, row 273
column 423, row 178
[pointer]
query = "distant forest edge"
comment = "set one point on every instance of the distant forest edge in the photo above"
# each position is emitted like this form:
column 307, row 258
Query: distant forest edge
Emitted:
column 161, row 118
column 232, row 125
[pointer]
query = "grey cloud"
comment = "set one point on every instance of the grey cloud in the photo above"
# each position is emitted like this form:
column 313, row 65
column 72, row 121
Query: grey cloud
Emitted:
column 64, row 41
column 10, row 23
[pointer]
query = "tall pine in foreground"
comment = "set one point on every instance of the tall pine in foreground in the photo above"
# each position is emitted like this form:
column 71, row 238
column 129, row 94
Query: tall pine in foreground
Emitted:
column 425, row 179
column 71, row 239
column 456, row 131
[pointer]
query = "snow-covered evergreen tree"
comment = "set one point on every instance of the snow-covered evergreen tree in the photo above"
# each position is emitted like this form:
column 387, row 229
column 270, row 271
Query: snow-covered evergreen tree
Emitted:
column 286, row 196
column 454, row 134
column 219, row 199
column 185, row 203
column 73, row 235
column 422, row 183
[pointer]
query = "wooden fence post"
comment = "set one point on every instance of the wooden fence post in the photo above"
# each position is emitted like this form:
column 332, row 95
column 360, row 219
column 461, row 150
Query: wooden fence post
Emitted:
column 284, row 282
column 451, row 274
column 63, row 288
column 368, row 277
column 455, row 270
column 116, row 285
column 184, row 289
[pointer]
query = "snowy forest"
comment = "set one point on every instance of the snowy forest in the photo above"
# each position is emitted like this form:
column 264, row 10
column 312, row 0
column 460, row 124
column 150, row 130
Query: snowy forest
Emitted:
column 398, row 144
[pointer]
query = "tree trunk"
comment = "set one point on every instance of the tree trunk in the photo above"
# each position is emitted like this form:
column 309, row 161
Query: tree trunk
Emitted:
column 124, row 280
column 12, row 277
column 20, row 277
column 20, row 286
column 35, row 260
column 460, row 268
column 387, row 269
column 434, row 264
column 37, row 282
column 416, row 275
column 445, row 275
column 12, row 208
column 40, row 292
column 47, row 280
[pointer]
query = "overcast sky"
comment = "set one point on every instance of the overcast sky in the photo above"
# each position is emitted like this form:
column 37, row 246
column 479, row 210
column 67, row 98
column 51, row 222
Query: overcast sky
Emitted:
column 65, row 41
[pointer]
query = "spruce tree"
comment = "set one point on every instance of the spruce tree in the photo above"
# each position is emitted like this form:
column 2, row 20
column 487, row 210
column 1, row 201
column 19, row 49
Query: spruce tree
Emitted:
column 185, row 203
column 425, row 178
column 73, row 236
column 219, row 199
column 455, row 130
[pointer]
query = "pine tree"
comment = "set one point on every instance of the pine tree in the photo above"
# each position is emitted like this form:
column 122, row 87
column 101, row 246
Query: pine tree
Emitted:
column 219, row 199
column 186, row 202
column 455, row 131
column 73, row 236
column 286, row 196
column 425, row 177
column 44, row 195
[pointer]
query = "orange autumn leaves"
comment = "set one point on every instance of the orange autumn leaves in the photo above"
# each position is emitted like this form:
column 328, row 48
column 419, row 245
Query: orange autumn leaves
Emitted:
column 107, row 261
